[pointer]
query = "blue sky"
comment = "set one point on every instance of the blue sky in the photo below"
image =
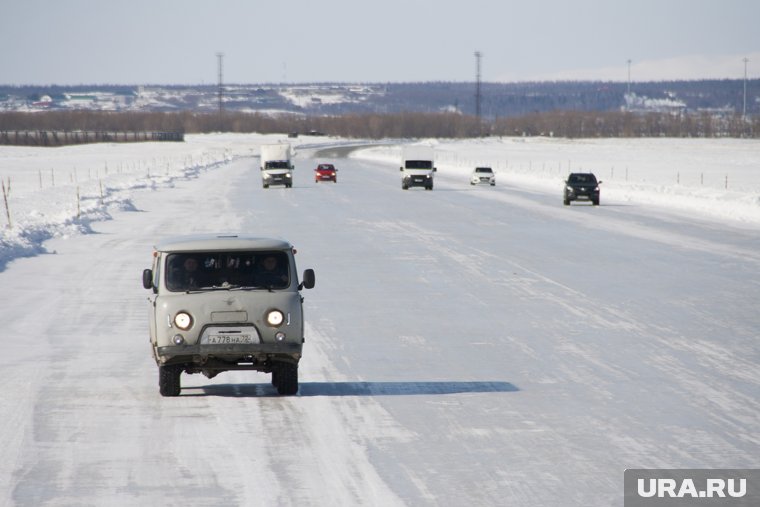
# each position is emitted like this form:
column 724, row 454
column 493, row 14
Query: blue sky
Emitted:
column 176, row 41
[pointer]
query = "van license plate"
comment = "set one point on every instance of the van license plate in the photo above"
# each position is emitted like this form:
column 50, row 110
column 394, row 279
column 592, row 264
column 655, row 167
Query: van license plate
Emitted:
column 229, row 339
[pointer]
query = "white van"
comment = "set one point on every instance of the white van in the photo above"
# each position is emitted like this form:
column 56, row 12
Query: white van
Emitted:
column 417, row 167
column 226, row 302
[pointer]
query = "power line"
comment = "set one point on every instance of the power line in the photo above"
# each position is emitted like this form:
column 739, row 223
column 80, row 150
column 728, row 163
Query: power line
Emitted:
column 744, row 106
column 478, row 97
column 220, row 57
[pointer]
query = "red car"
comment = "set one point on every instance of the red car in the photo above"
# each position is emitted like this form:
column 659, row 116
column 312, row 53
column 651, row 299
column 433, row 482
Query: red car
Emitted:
column 325, row 172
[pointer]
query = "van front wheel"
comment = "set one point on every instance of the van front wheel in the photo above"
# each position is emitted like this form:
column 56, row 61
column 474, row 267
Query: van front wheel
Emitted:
column 285, row 379
column 168, row 380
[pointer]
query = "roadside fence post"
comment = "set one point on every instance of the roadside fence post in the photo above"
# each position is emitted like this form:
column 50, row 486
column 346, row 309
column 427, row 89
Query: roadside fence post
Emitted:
column 5, row 198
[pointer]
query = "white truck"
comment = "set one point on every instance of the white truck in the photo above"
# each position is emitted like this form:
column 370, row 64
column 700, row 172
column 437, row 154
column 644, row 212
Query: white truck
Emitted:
column 417, row 167
column 275, row 164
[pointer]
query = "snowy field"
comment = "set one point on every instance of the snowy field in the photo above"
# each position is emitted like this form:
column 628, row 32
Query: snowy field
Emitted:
column 467, row 346
column 717, row 178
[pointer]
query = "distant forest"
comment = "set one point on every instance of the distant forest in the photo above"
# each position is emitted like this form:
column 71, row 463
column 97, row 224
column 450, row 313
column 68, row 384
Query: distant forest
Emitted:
column 570, row 124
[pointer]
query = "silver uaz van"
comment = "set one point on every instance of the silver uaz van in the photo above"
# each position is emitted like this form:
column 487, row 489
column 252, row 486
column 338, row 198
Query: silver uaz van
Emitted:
column 226, row 302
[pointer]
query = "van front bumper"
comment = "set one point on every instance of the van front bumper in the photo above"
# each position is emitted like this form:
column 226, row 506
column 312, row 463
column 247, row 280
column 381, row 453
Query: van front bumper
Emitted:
column 200, row 353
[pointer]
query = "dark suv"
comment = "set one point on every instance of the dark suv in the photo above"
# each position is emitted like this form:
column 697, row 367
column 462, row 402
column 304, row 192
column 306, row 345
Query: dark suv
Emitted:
column 581, row 187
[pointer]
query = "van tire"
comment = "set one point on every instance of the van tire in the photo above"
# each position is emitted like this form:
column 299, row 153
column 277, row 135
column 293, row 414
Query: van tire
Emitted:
column 286, row 375
column 168, row 380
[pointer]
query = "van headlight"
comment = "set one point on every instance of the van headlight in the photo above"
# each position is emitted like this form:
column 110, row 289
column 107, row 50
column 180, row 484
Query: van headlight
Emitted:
column 275, row 318
column 183, row 320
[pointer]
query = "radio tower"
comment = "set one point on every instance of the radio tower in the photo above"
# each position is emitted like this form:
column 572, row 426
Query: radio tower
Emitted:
column 744, row 102
column 220, row 57
column 478, row 55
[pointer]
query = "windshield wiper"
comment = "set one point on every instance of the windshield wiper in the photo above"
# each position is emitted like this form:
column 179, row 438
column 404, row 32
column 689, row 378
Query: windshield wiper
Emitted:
column 211, row 288
column 246, row 287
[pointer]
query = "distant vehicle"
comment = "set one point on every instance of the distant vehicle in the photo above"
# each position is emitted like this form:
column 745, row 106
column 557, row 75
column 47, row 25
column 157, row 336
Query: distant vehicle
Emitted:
column 581, row 187
column 325, row 172
column 225, row 302
column 275, row 165
column 417, row 166
column 482, row 176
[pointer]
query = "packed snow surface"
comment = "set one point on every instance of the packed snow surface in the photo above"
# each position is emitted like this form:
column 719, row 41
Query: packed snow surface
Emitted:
column 465, row 346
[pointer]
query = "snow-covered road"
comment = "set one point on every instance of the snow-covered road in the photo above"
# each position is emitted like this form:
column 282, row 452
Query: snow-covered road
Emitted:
column 466, row 346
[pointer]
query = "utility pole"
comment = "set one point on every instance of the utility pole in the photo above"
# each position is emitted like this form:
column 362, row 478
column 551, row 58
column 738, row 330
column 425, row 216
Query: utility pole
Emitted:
column 744, row 106
column 220, row 57
column 478, row 55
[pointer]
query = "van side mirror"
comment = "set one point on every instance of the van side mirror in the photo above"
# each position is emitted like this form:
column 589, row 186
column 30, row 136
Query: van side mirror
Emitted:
column 147, row 278
column 435, row 169
column 401, row 169
column 308, row 279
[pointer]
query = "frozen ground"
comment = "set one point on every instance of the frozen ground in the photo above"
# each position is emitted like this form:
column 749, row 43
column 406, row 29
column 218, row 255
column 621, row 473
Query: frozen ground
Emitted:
column 466, row 346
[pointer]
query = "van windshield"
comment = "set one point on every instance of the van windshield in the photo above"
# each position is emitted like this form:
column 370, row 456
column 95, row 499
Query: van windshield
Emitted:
column 276, row 164
column 419, row 164
column 226, row 270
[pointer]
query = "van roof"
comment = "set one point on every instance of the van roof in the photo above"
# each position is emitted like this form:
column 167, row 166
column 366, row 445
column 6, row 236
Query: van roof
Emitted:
column 205, row 242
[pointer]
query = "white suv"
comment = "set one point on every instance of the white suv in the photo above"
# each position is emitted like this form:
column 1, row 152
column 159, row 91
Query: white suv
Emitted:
column 482, row 176
column 226, row 302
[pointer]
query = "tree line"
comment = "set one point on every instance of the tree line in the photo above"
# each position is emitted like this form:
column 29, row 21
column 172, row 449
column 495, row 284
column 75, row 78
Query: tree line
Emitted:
column 571, row 124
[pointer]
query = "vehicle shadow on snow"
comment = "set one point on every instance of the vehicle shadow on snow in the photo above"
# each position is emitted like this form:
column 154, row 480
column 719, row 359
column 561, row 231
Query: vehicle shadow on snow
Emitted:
column 355, row 389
